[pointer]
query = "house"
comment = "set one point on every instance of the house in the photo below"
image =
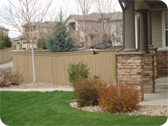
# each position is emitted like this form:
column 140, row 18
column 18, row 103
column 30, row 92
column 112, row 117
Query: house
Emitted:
column 4, row 30
column 96, row 28
column 35, row 30
column 144, row 55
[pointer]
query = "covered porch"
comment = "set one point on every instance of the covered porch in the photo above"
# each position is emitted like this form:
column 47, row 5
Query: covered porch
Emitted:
column 145, row 31
column 161, row 93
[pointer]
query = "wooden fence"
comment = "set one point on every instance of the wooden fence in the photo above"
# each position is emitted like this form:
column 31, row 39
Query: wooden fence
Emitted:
column 52, row 67
column 5, row 55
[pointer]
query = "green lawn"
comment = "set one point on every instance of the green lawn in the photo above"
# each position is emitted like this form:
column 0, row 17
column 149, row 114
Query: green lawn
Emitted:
column 38, row 109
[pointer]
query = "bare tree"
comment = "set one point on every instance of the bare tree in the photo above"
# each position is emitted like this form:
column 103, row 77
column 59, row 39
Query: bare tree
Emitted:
column 28, row 14
column 81, row 9
column 85, row 6
column 109, row 22
column 102, row 23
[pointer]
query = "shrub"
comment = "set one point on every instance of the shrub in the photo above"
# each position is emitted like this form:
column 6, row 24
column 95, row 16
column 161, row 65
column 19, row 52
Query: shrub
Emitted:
column 8, row 77
column 4, row 73
column 76, row 71
column 85, row 92
column 118, row 99
column 15, row 78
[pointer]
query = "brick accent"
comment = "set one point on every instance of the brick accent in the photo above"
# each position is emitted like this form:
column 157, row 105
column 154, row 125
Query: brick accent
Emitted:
column 162, row 63
column 148, row 74
column 154, row 51
column 130, row 70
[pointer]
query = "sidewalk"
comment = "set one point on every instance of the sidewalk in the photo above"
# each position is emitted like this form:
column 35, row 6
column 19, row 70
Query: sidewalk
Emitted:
column 39, row 90
column 9, row 64
column 160, row 97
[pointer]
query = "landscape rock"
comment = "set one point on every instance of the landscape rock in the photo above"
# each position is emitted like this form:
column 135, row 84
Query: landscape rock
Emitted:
column 144, row 110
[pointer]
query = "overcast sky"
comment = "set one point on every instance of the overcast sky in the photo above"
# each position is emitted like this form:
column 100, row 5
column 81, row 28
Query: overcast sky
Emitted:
column 67, row 6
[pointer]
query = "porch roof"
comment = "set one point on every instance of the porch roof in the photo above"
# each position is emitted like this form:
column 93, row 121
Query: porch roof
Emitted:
column 148, row 4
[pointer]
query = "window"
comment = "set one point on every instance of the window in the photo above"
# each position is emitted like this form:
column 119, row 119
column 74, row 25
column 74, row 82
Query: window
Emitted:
column 72, row 26
column 165, row 29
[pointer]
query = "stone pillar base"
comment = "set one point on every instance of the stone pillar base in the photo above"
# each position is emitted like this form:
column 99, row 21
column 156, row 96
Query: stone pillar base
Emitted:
column 162, row 63
column 137, row 68
column 130, row 70
column 153, row 50
column 148, row 74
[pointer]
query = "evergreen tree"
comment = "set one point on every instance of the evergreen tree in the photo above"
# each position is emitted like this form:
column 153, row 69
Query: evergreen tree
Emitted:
column 4, row 41
column 44, row 46
column 60, row 40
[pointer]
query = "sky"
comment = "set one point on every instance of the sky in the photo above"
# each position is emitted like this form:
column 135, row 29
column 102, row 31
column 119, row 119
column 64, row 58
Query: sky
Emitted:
column 68, row 7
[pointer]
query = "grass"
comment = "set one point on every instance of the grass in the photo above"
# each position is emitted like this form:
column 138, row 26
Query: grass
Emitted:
column 45, row 109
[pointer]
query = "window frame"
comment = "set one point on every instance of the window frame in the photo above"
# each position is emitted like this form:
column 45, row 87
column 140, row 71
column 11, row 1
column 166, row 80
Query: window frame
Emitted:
column 163, row 30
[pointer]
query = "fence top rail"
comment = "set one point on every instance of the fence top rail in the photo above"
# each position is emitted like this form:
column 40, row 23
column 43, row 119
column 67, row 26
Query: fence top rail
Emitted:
column 6, row 49
column 60, row 53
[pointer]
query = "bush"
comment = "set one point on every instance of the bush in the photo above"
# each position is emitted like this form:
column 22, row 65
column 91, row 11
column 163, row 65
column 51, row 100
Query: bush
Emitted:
column 118, row 99
column 76, row 71
column 85, row 92
column 4, row 73
column 15, row 78
column 8, row 77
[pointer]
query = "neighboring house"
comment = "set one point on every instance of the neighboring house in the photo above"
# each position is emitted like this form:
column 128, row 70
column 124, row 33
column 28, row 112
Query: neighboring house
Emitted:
column 37, row 29
column 117, row 41
column 4, row 30
column 95, row 28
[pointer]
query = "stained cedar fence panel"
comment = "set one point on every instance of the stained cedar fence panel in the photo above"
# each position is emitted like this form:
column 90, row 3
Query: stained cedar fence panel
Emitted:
column 52, row 67
column 5, row 55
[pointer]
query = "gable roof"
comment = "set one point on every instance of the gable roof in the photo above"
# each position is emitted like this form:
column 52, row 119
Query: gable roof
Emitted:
column 42, row 24
column 97, row 16
column 3, row 28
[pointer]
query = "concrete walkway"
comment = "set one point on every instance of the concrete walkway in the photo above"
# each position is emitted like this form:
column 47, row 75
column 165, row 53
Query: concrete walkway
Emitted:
column 39, row 90
column 9, row 64
column 160, row 97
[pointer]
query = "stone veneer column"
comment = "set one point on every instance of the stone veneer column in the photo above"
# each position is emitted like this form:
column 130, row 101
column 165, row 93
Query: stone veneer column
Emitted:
column 130, row 70
column 162, row 63
column 153, row 50
column 148, row 74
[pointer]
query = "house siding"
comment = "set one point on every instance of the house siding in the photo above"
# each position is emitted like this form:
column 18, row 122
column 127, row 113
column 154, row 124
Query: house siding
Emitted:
column 157, row 29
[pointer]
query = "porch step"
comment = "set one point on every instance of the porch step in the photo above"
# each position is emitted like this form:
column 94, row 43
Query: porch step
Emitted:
column 161, row 87
column 162, row 84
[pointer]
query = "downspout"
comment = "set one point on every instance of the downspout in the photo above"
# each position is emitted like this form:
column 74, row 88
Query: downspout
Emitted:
column 123, row 36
